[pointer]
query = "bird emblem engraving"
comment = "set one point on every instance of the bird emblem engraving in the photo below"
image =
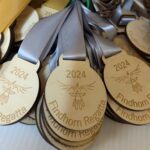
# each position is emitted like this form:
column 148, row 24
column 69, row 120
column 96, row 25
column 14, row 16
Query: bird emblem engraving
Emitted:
column 131, row 78
column 78, row 92
column 10, row 88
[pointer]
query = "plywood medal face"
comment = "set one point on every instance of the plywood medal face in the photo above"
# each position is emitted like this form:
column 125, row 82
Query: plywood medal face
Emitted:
column 50, row 137
column 127, row 80
column 67, row 134
column 18, row 89
column 75, row 95
column 138, row 33
column 25, row 22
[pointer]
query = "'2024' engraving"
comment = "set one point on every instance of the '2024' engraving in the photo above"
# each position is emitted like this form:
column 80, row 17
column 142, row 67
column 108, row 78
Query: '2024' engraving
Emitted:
column 121, row 65
column 19, row 73
column 76, row 74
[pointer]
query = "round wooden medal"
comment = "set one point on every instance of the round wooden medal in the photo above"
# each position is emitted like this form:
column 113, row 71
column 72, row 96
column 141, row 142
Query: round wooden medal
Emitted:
column 132, row 117
column 112, row 115
column 24, row 23
column 127, row 80
column 138, row 32
column 18, row 89
column 49, row 135
column 75, row 95
column 70, row 135
column 65, row 142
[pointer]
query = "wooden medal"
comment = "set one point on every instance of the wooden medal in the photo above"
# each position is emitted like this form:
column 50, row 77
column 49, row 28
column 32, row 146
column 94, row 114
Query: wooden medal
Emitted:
column 112, row 115
column 18, row 89
column 70, row 135
column 65, row 142
column 75, row 95
column 56, row 143
column 45, row 11
column 133, row 117
column 127, row 80
column 138, row 32
column 25, row 22
column 56, row 4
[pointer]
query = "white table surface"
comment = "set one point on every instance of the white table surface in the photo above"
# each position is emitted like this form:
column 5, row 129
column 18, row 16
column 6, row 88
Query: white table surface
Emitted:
column 113, row 136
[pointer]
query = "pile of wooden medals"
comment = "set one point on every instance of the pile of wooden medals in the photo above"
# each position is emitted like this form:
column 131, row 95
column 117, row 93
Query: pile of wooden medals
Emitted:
column 69, row 93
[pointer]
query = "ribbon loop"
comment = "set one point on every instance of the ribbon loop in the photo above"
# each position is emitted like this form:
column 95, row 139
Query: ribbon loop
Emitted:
column 72, row 37
column 40, row 39
column 99, row 23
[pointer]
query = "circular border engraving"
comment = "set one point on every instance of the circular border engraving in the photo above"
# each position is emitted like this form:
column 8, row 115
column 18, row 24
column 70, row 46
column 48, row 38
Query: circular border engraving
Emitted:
column 127, row 80
column 75, row 95
column 18, row 89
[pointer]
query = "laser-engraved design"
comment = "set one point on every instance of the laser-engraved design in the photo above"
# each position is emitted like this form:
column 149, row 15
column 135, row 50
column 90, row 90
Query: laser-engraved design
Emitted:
column 78, row 92
column 10, row 88
column 131, row 78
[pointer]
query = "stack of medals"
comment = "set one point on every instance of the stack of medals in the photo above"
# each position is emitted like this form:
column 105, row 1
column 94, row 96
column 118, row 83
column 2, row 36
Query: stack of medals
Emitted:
column 67, row 115
column 129, row 99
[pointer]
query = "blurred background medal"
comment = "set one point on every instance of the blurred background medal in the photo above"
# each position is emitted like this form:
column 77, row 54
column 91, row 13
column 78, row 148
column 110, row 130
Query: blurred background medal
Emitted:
column 24, row 23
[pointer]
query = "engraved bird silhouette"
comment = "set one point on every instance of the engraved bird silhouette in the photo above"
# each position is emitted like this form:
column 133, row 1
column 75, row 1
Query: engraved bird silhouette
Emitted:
column 131, row 78
column 78, row 92
column 10, row 88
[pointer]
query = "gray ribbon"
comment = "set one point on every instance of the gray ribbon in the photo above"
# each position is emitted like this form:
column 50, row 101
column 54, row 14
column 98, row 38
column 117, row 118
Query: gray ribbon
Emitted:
column 97, row 47
column 105, row 8
column 99, row 23
column 40, row 39
column 71, row 41
column 72, row 37
column 123, row 14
